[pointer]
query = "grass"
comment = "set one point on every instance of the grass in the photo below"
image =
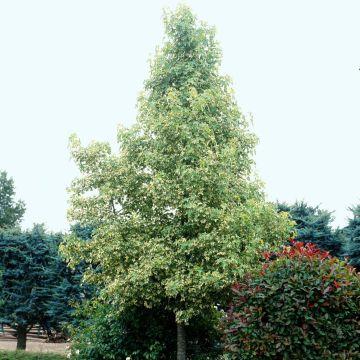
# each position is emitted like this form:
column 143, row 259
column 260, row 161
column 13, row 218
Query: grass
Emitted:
column 24, row 355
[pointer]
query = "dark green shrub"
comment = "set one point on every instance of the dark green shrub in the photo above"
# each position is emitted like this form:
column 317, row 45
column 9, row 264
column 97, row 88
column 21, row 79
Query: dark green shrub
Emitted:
column 302, row 305
column 140, row 333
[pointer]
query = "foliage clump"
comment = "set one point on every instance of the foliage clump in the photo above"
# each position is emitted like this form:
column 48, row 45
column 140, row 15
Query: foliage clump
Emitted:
column 101, row 332
column 304, row 304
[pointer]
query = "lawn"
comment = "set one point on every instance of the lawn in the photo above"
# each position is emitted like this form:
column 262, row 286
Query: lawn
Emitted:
column 24, row 355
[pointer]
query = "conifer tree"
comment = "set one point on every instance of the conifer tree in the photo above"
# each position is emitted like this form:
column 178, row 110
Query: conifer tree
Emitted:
column 27, row 280
column 36, row 286
column 313, row 225
column 11, row 212
column 352, row 231
column 68, row 290
column 178, row 214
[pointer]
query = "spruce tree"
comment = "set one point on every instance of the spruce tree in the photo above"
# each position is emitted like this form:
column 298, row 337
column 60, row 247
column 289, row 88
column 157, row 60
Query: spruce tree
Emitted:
column 313, row 225
column 352, row 231
column 68, row 290
column 27, row 280
column 178, row 213
column 11, row 211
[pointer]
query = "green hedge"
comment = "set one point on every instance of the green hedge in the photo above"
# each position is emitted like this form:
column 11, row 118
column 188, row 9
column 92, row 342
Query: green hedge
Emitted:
column 24, row 355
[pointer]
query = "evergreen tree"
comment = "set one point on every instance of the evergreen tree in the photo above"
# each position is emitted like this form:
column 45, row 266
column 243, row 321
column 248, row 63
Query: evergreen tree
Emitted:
column 36, row 286
column 69, row 290
column 178, row 215
column 60, row 307
column 11, row 212
column 351, row 247
column 313, row 226
column 26, row 279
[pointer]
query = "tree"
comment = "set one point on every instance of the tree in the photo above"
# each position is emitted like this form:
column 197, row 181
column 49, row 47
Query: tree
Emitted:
column 352, row 233
column 11, row 212
column 28, row 278
column 178, row 213
column 313, row 226
column 68, row 290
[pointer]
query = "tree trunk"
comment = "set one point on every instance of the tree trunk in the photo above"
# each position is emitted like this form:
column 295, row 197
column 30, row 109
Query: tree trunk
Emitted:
column 181, row 342
column 21, row 337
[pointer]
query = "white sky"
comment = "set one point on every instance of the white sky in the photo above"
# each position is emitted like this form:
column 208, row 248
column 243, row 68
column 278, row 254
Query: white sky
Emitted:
column 77, row 66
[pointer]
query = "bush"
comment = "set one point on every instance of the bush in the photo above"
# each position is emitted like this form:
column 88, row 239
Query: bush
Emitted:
column 304, row 304
column 140, row 333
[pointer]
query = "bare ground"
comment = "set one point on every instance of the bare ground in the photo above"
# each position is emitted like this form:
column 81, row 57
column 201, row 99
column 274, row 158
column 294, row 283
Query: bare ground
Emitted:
column 34, row 343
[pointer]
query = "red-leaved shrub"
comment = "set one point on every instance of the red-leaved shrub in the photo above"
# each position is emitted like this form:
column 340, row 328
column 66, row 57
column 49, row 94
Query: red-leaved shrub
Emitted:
column 303, row 304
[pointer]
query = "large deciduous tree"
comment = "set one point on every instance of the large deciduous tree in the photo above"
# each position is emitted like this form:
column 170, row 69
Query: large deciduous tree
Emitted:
column 11, row 212
column 178, row 214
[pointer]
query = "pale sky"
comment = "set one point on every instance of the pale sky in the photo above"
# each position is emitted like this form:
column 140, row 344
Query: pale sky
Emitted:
column 77, row 66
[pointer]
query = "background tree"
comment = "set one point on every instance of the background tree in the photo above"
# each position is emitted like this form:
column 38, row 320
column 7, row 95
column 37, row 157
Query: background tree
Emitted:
column 26, row 280
column 313, row 225
column 11, row 212
column 178, row 215
column 36, row 286
column 68, row 290
column 351, row 247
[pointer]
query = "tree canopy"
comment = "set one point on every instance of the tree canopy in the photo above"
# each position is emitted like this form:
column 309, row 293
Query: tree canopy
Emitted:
column 11, row 211
column 178, row 213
